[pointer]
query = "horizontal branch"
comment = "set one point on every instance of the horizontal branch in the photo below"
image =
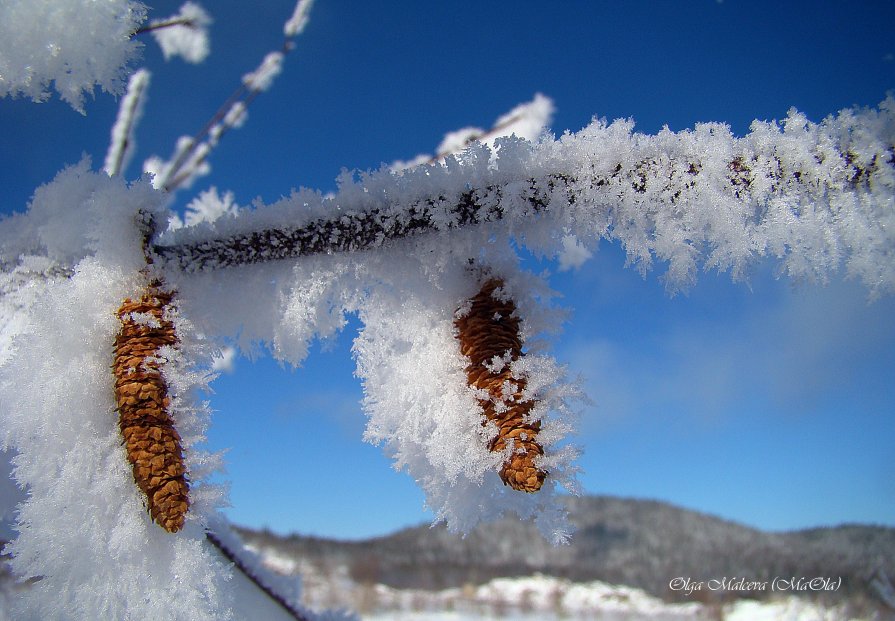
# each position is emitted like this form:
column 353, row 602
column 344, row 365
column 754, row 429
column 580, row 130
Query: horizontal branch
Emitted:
column 666, row 180
column 348, row 232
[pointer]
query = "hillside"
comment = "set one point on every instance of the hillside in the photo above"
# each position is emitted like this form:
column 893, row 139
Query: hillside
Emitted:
column 637, row 543
column 622, row 562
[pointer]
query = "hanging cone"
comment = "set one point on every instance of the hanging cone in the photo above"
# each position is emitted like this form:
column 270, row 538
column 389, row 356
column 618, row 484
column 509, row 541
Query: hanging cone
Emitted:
column 152, row 442
column 491, row 330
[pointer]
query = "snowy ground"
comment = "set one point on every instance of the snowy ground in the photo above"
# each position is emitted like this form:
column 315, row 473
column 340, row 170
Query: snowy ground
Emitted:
column 533, row 598
column 544, row 598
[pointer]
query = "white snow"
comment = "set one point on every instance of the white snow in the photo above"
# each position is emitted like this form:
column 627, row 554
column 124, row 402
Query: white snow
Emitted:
column 547, row 598
column 74, row 45
column 130, row 110
column 299, row 20
column 789, row 609
column 527, row 121
column 263, row 76
column 188, row 39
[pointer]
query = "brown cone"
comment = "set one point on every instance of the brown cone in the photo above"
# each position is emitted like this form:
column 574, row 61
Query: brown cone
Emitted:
column 490, row 329
column 152, row 442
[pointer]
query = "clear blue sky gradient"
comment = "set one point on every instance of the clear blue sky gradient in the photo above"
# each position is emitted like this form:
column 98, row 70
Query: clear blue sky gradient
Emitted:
column 765, row 403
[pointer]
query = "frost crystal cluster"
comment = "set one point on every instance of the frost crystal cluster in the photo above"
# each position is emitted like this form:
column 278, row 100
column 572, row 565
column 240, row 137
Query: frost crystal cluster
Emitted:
column 70, row 43
column 123, row 142
column 815, row 196
column 187, row 34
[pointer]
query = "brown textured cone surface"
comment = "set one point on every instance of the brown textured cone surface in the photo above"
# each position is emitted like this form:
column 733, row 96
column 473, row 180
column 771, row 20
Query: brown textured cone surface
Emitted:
column 152, row 442
column 490, row 329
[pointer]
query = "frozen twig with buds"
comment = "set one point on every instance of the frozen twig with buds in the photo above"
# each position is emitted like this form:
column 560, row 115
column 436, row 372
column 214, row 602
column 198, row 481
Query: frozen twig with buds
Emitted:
column 121, row 147
column 189, row 160
column 527, row 120
column 804, row 193
column 184, row 34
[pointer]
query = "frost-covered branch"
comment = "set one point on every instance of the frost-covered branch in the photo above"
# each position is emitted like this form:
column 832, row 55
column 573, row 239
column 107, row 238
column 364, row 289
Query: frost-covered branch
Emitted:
column 527, row 120
column 184, row 34
column 72, row 44
column 227, row 545
column 348, row 231
column 165, row 23
column 189, row 160
column 296, row 24
column 808, row 194
column 121, row 146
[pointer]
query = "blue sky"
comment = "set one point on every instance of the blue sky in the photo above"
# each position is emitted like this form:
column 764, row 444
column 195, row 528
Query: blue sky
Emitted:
column 767, row 403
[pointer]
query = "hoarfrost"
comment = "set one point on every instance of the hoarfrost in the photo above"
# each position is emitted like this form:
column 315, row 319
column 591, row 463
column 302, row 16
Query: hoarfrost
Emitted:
column 299, row 20
column 187, row 34
column 130, row 110
column 224, row 361
column 263, row 76
column 236, row 116
column 187, row 163
column 74, row 45
column 58, row 412
column 815, row 196
column 83, row 526
column 209, row 206
column 527, row 121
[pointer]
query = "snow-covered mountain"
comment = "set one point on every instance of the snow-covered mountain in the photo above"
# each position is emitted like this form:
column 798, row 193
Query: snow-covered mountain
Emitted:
column 673, row 563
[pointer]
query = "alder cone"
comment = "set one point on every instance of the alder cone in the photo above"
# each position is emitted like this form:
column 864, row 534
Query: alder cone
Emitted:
column 153, row 444
column 490, row 329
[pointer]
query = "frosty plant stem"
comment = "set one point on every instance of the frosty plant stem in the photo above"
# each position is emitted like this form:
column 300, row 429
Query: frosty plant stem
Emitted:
column 168, row 23
column 189, row 159
column 795, row 190
column 248, row 573
column 129, row 112
column 347, row 232
column 361, row 229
